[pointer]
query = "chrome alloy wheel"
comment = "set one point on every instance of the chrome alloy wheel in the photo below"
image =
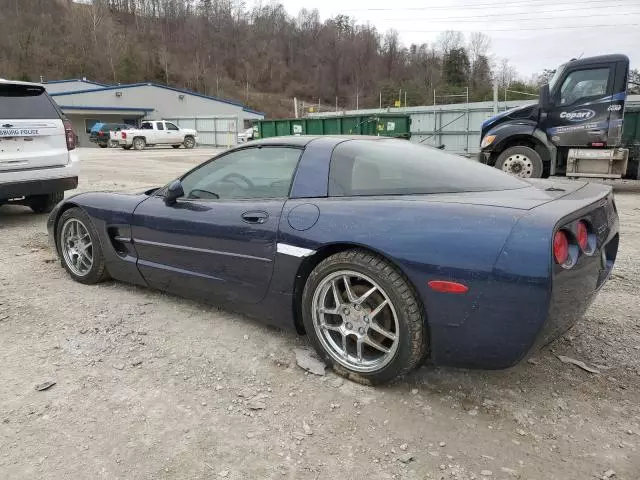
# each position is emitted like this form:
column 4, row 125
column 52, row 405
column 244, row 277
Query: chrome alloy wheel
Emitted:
column 76, row 246
column 355, row 321
column 518, row 165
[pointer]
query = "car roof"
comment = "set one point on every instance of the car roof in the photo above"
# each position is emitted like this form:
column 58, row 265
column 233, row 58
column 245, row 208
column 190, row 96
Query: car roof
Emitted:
column 18, row 82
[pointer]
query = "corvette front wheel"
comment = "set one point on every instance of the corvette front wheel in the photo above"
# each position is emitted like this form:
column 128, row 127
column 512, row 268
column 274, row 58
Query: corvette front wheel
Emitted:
column 79, row 247
column 363, row 317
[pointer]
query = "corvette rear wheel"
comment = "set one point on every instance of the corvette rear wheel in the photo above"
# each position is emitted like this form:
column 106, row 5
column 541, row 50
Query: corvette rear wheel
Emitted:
column 363, row 317
column 79, row 247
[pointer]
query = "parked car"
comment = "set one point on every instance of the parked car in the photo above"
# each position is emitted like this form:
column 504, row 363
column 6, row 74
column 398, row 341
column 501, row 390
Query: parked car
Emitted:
column 157, row 132
column 102, row 134
column 38, row 158
column 247, row 135
column 386, row 253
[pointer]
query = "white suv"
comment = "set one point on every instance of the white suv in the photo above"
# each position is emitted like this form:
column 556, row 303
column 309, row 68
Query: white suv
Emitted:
column 38, row 159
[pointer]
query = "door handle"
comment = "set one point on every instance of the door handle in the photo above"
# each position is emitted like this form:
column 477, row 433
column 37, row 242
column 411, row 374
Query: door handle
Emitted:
column 255, row 217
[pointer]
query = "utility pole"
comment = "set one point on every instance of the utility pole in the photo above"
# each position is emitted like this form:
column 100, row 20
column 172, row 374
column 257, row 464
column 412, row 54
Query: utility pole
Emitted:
column 357, row 99
column 405, row 98
column 336, row 104
column 295, row 106
column 495, row 98
column 380, row 100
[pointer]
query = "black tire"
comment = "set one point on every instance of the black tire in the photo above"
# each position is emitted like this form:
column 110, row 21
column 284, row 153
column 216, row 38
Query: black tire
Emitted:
column 127, row 147
column 189, row 142
column 98, row 271
column 103, row 145
column 44, row 203
column 412, row 331
column 139, row 143
column 175, row 146
column 527, row 163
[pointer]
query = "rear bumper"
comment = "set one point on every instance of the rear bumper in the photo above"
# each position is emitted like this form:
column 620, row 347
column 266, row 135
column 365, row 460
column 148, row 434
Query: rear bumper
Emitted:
column 40, row 181
column 528, row 300
column 37, row 187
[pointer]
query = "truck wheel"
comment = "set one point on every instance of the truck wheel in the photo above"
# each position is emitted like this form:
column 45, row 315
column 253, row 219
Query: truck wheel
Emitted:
column 189, row 142
column 102, row 145
column 523, row 162
column 44, row 203
column 175, row 146
column 139, row 143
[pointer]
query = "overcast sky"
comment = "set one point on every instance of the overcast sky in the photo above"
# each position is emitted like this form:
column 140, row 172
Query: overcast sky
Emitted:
column 532, row 34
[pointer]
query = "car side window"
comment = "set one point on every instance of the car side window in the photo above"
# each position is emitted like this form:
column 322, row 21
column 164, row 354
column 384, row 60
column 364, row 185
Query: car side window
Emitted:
column 171, row 126
column 159, row 125
column 265, row 172
column 584, row 83
column 146, row 126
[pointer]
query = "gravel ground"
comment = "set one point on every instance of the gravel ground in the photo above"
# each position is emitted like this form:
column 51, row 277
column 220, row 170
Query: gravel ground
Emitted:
column 150, row 386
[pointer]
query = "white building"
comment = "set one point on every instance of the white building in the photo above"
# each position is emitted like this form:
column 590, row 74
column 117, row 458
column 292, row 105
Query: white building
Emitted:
column 85, row 103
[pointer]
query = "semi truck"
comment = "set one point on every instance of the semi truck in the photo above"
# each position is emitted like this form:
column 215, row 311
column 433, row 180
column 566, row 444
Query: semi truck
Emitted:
column 574, row 130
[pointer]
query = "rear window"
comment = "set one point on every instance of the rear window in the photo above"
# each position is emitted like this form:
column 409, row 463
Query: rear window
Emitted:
column 398, row 167
column 20, row 102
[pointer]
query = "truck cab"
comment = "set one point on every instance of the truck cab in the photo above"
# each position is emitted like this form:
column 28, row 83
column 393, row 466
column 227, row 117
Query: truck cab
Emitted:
column 575, row 129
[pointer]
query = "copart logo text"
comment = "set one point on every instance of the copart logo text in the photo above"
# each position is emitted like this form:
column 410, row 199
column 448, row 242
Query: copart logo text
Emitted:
column 578, row 115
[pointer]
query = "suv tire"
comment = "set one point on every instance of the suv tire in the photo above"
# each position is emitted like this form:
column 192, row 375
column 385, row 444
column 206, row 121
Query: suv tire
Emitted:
column 44, row 203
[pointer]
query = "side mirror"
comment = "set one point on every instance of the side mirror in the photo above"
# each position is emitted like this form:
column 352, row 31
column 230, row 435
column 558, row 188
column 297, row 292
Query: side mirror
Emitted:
column 174, row 191
column 545, row 97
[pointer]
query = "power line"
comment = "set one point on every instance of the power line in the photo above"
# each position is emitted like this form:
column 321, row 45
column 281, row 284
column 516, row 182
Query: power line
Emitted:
column 529, row 16
column 519, row 29
column 528, row 3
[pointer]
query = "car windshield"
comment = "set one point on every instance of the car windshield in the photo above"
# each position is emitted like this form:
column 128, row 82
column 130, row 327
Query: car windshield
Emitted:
column 398, row 167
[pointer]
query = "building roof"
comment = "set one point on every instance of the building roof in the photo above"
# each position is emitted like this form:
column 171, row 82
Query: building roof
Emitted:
column 166, row 87
column 107, row 109
column 83, row 80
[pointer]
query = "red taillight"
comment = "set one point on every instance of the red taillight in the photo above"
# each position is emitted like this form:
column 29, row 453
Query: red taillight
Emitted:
column 561, row 247
column 583, row 236
column 70, row 135
column 447, row 287
column 123, row 135
column 101, row 134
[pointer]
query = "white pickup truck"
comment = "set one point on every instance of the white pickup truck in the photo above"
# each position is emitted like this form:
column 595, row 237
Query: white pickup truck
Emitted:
column 157, row 132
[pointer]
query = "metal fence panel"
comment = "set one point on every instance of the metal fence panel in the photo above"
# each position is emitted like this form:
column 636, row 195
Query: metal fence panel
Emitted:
column 217, row 131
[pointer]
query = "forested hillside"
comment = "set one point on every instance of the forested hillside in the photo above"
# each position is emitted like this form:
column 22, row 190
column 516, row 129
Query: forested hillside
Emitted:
column 263, row 56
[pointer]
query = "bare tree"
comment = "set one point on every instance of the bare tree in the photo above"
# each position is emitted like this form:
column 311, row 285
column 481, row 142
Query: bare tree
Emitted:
column 450, row 40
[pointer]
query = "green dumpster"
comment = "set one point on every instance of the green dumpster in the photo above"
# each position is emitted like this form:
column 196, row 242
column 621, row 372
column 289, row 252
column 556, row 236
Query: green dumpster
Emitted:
column 631, row 140
column 396, row 126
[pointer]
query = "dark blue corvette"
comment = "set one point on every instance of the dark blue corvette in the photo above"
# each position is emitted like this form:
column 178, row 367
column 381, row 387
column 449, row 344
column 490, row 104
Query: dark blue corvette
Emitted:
column 385, row 252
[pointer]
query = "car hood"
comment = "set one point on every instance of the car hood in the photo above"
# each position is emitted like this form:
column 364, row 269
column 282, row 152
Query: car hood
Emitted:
column 537, row 193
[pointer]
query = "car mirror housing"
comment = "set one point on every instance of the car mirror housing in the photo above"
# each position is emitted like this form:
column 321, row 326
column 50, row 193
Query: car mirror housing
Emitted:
column 174, row 191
